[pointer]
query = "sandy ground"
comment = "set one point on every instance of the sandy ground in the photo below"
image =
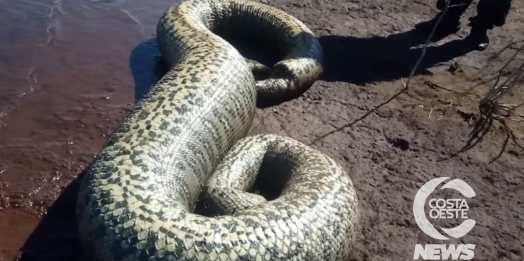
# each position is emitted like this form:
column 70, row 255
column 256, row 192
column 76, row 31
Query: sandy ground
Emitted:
column 71, row 70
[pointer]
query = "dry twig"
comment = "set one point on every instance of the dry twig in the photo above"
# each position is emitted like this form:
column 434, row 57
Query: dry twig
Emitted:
column 406, row 85
column 491, row 109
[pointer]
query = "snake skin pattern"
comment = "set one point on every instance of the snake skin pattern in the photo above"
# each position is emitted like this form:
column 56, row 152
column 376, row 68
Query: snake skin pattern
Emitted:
column 185, row 143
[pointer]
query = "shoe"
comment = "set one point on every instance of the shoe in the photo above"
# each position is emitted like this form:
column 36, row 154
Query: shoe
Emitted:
column 448, row 25
column 478, row 38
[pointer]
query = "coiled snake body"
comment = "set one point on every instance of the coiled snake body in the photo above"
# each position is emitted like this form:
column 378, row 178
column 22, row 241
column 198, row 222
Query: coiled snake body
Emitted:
column 186, row 138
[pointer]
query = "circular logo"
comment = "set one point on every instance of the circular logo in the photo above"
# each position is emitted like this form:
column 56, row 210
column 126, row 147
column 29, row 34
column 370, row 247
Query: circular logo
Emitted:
column 439, row 208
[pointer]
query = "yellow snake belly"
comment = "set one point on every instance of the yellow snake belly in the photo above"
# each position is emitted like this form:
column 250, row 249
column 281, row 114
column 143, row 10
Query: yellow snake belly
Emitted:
column 186, row 141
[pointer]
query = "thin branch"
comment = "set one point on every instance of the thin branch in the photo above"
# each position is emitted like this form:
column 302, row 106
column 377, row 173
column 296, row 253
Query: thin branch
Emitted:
column 497, row 54
column 491, row 109
column 406, row 85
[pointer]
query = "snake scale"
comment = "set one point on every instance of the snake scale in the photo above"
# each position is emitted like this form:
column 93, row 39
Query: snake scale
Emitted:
column 186, row 142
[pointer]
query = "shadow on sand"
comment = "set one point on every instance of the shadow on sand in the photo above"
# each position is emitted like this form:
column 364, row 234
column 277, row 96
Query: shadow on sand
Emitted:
column 348, row 59
column 366, row 60
column 56, row 236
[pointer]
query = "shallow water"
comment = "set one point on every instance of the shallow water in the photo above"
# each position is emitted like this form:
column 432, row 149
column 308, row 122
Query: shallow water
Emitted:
column 66, row 79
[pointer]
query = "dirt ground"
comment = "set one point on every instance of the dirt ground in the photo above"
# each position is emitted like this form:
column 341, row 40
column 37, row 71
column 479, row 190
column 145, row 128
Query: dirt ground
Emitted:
column 72, row 69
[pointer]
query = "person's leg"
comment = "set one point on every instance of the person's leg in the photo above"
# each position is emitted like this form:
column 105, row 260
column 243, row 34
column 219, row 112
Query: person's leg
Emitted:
column 450, row 23
column 493, row 12
column 490, row 13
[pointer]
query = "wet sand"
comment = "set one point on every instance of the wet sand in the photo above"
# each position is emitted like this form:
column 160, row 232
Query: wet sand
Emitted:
column 65, row 84
column 72, row 69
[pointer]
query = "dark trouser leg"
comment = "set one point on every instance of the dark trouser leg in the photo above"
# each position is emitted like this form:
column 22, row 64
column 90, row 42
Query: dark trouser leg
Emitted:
column 490, row 13
column 450, row 23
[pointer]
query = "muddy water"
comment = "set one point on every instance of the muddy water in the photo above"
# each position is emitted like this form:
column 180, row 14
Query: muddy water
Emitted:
column 69, row 70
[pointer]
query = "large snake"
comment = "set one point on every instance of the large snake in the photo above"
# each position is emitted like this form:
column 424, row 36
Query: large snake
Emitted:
column 186, row 141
